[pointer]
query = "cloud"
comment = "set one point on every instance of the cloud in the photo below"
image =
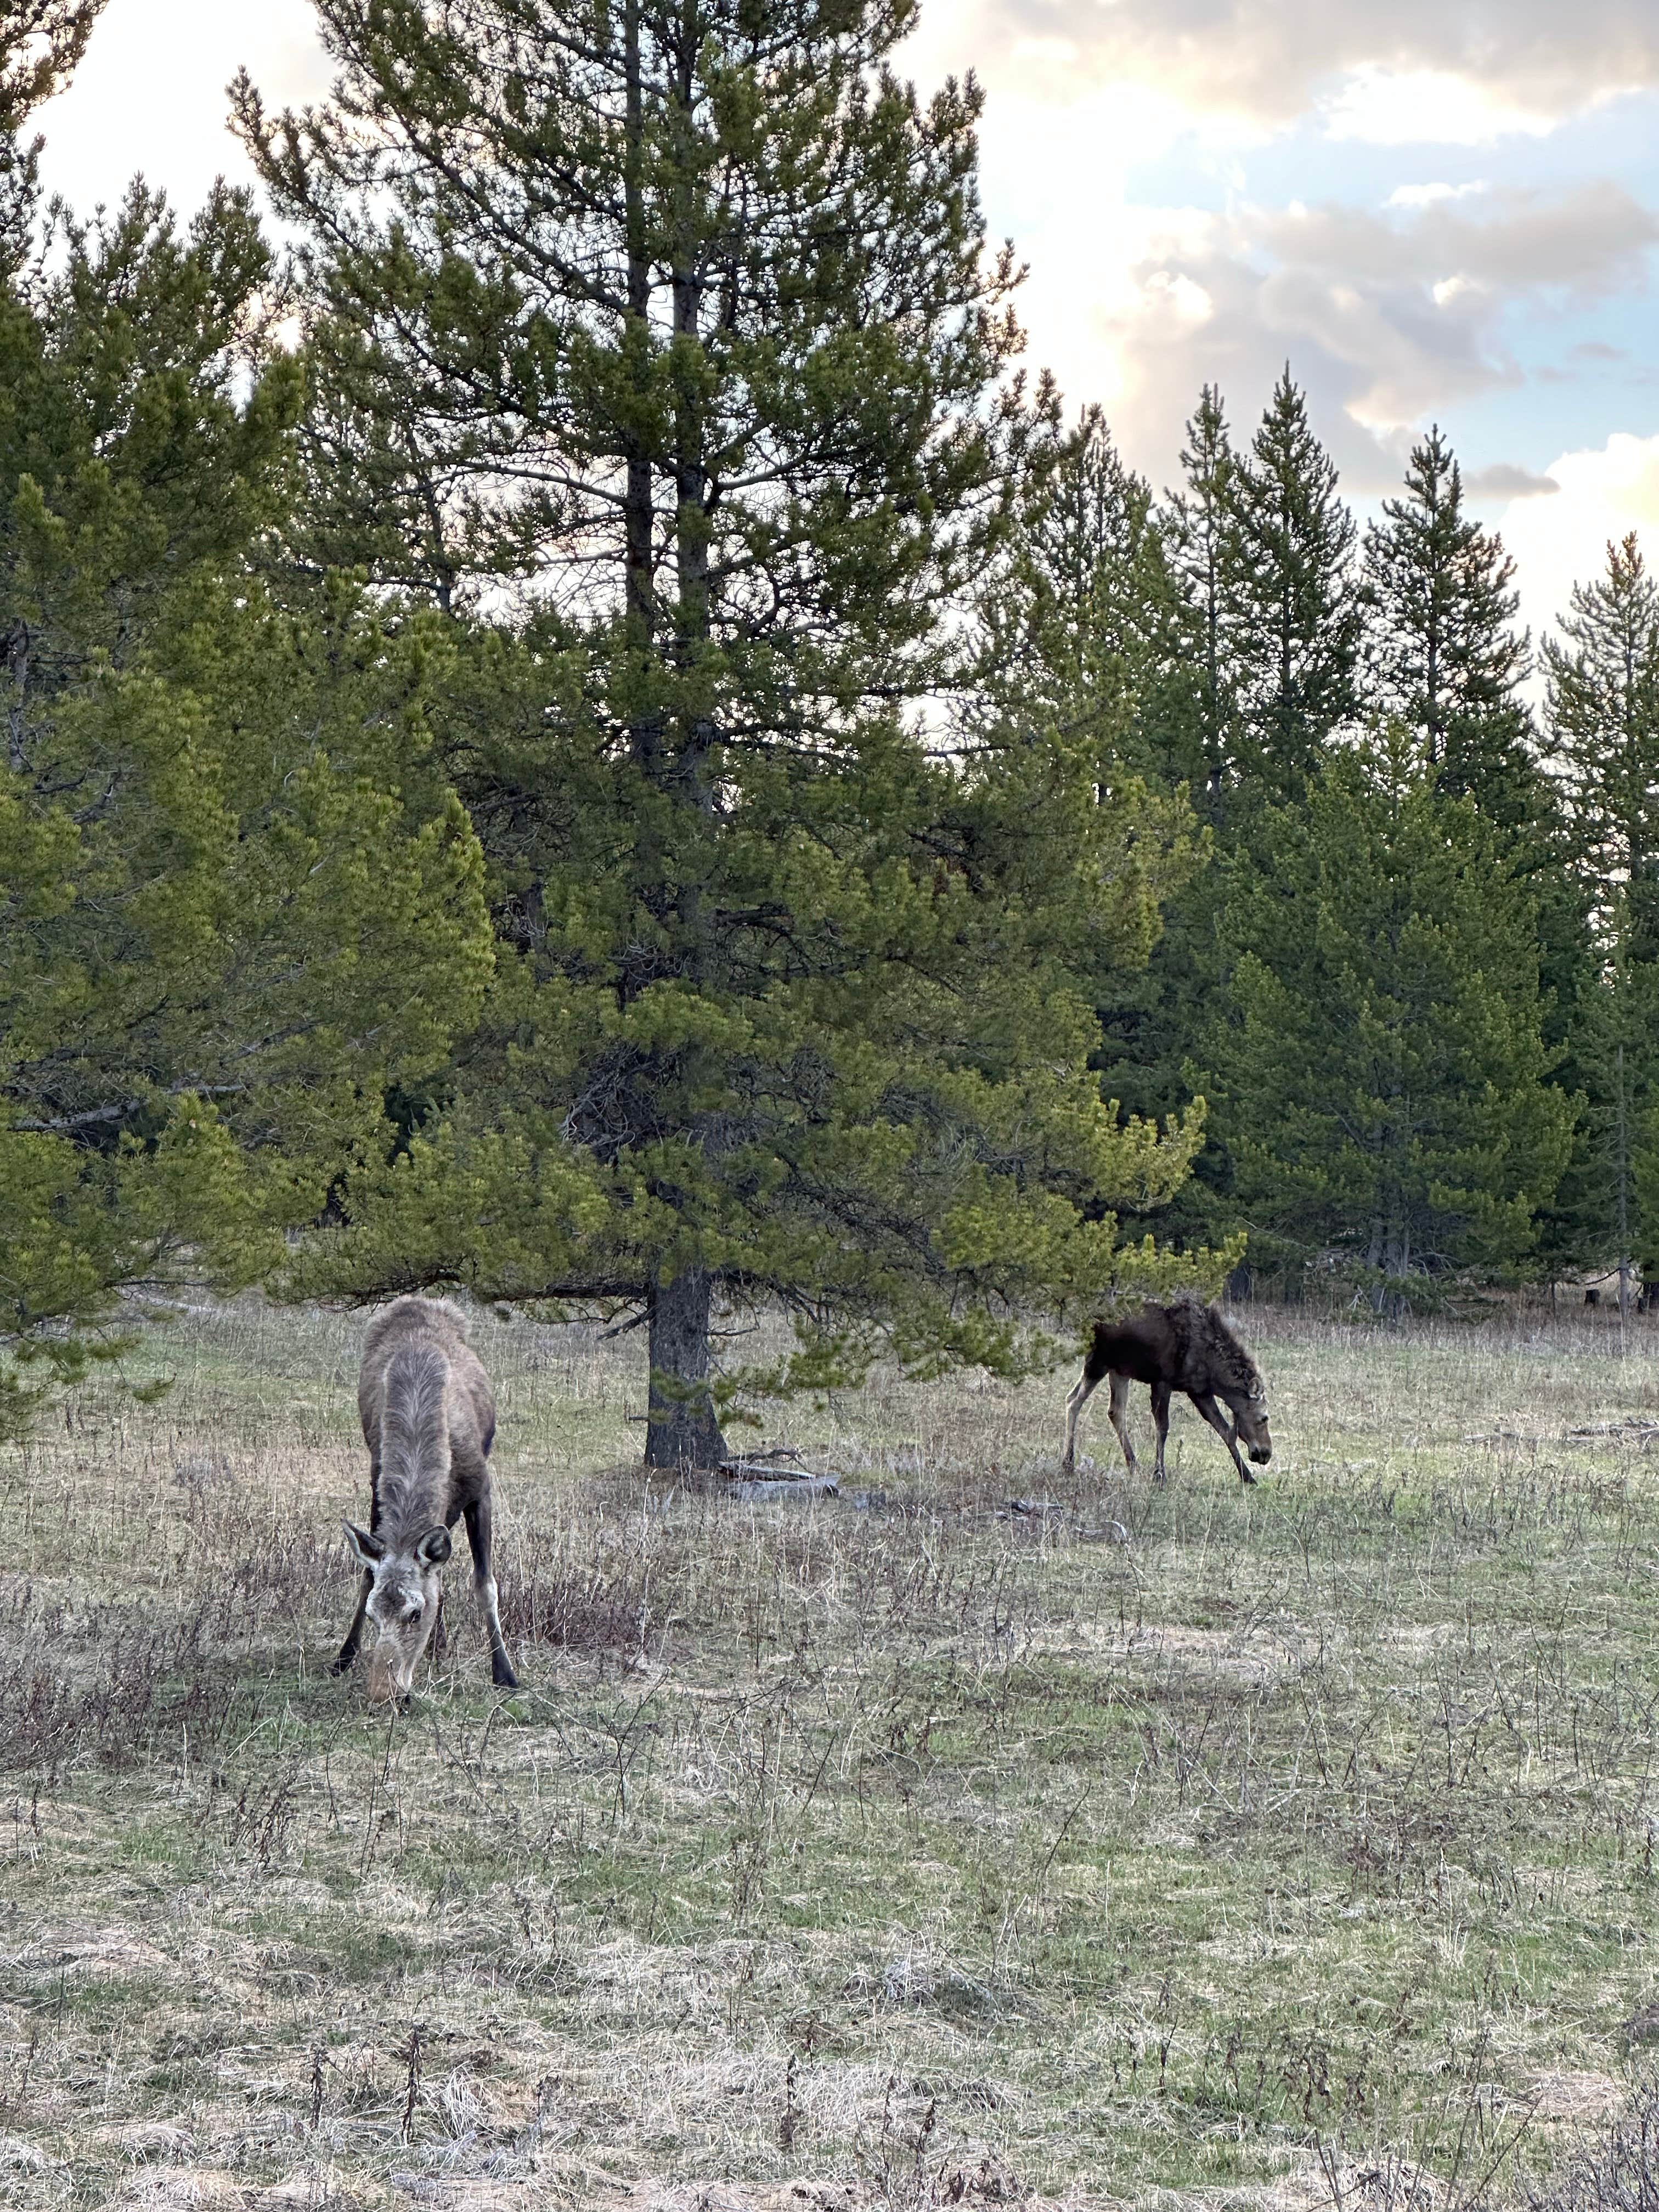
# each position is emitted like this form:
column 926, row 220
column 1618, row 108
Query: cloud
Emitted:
column 1464, row 69
column 1422, row 195
column 1386, row 318
column 1606, row 491
column 1507, row 480
column 1588, row 241
column 1418, row 107
column 150, row 95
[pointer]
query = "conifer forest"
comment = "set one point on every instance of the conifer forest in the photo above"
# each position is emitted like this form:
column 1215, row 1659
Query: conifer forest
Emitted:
column 588, row 730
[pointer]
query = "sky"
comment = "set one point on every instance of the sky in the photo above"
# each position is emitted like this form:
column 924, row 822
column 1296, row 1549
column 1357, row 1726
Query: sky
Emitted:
column 1437, row 211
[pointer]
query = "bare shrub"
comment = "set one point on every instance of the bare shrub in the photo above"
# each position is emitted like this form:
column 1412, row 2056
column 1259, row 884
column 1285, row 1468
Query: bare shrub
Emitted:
column 138, row 1675
column 1619, row 2171
column 598, row 1602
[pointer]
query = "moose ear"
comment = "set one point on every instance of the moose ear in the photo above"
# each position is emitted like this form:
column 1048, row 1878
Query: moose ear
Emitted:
column 434, row 1547
column 367, row 1550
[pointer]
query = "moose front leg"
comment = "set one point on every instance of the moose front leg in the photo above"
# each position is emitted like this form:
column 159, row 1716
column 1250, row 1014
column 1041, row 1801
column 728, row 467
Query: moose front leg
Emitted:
column 354, row 1635
column 484, row 1581
column 1227, row 1433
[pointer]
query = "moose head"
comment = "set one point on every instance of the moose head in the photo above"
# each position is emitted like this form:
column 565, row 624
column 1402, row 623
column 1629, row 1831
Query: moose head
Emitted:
column 1249, row 1412
column 403, row 1603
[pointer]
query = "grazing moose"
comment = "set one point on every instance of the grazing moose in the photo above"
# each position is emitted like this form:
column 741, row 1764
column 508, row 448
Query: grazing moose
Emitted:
column 1187, row 1347
column 428, row 1418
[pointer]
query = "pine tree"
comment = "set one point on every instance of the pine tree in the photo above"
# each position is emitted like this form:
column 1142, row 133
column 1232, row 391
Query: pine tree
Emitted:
column 41, row 41
column 1081, row 620
column 1603, row 709
column 1603, row 716
column 1200, row 533
column 1445, row 657
column 683, row 313
column 237, row 903
column 1381, row 1076
column 1061, row 610
column 1291, row 611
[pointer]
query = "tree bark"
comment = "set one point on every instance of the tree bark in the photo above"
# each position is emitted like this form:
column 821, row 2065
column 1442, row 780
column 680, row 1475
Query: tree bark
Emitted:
column 682, row 1430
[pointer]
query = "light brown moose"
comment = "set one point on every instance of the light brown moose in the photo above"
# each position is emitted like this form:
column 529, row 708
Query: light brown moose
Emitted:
column 429, row 1417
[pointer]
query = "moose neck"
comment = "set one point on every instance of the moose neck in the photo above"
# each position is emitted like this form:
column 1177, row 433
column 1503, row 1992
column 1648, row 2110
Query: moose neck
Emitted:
column 413, row 1493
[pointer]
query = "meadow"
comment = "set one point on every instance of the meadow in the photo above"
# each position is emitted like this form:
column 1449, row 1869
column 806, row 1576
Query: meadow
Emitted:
column 976, row 1837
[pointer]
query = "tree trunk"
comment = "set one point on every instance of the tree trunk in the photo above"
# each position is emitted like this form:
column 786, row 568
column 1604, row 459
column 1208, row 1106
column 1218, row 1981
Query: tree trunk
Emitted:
column 682, row 1430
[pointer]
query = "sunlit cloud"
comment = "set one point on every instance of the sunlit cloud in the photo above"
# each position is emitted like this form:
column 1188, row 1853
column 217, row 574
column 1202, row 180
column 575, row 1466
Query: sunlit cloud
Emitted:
column 1422, row 195
column 150, row 95
column 1425, row 107
column 1203, row 189
column 1408, row 70
column 1560, row 542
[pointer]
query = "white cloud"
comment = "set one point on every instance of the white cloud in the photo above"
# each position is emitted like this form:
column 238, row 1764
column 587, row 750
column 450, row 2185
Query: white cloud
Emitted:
column 1558, row 543
column 1420, row 107
column 1422, row 195
column 1465, row 69
column 150, row 95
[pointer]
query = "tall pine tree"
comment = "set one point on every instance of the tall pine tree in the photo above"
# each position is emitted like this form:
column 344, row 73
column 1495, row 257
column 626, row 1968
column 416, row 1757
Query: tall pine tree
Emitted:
column 1199, row 532
column 1292, row 616
column 1603, row 717
column 1603, row 708
column 1081, row 618
column 683, row 313
column 1445, row 658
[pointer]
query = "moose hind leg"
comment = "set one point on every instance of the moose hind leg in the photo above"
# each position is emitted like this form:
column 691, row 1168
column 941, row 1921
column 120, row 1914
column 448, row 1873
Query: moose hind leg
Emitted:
column 1082, row 1390
column 1161, row 1422
column 1116, row 1415
column 354, row 1635
column 484, row 1581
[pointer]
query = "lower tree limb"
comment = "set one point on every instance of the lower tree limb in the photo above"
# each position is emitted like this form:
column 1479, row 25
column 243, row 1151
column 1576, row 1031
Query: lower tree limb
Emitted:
column 682, row 1430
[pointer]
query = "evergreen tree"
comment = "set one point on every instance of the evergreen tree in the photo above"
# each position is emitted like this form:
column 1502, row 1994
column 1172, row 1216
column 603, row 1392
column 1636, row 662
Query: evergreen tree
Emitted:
column 682, row 311
column 236, row 903
column 1445, row 657
column 1603, row 715
column 1289, row 602
column 1062, row 609
column 1603, row 709
column 1200, row 534
column 40, row 43
column 1381, row 1076
column 1080, row 618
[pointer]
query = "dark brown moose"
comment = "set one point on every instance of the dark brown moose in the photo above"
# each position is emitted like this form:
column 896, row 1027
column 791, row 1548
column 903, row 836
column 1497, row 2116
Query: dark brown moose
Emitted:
column 1187, row 1347
column 429, row 1417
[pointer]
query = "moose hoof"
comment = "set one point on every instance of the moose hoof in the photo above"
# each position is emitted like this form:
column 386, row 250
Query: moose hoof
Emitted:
column 501, row 1674
column 343, row 1663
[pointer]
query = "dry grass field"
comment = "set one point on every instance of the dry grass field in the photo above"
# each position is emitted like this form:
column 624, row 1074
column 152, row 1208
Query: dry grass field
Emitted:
column 976, row 1838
